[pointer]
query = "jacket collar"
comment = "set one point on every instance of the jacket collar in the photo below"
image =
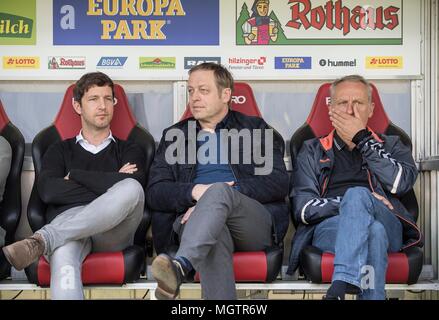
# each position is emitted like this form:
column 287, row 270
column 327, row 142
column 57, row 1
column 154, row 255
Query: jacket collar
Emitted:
column 223, row 124
column 339, row 143
column 328, row 140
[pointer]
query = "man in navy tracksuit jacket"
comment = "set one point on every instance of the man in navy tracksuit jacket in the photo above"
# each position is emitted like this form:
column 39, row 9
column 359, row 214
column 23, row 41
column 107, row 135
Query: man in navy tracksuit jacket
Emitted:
column 344, row 194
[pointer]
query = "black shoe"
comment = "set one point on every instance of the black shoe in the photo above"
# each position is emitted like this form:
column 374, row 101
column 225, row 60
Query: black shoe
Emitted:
column 169, row 275
column 329, row 297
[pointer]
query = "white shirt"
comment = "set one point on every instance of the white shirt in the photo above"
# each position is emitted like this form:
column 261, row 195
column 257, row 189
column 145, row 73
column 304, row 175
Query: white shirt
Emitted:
column 92, row 148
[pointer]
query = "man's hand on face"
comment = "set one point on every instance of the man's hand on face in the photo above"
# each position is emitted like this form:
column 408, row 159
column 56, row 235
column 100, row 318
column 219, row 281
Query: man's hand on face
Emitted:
column 128, row 168
column 347, row 125
column 199, row 189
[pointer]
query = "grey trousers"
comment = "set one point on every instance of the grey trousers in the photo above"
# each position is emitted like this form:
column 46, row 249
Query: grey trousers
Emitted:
column 106, row 224
column 223, row 221
column 5, row 164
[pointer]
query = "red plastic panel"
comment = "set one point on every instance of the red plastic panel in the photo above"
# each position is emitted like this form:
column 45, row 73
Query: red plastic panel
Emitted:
column 98, row 268
column 327, row 267
column 397, row 269
column 318, row 118
column 243, row 101
column 248, row 266
column 68, row 122
column 4, row 120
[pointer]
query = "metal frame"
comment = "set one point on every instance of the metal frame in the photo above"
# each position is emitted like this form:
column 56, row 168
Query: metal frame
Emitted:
column 425, row 131
column 143, row 284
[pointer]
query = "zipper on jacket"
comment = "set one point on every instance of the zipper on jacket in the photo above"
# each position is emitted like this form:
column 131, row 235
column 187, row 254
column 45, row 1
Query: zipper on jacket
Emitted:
column 370, row 180
column 326, row 183
column 324, row 187
column 191, row 174
column 233, row 172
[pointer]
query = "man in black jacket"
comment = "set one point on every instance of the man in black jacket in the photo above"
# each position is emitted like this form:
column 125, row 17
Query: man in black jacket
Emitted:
column 5, row 165
column 226, row 196
column 345, row 189
column 93, row 185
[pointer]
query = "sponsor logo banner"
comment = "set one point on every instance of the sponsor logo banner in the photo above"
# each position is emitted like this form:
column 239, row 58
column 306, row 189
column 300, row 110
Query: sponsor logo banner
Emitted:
column 21, row 62
column 338, row 63
column 247, row 63
column 55, row 63
column 136, row 22
column 319, row 22
column 17, row 22
column 157, row 62
column 111, row 62
column 292, row 62
column 384, row 62
column 190, row 62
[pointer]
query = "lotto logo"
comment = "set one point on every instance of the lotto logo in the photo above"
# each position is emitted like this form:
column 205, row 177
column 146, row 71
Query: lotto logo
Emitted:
column 386, row 62
column 21, row 62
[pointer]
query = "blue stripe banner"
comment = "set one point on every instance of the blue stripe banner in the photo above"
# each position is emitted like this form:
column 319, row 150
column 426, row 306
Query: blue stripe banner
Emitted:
column 138, row 22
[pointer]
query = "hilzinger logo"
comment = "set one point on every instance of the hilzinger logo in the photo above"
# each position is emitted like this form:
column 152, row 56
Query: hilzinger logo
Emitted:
column 247, row 63
column 337, row 63
column 261, row 61
column 12, row 26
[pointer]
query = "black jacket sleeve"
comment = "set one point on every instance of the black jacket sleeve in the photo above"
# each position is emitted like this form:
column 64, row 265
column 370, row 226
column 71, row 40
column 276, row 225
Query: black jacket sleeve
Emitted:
column 307, row 204
column 99, row 182
column 51, row 185
column 391, row 162
column 164, row 192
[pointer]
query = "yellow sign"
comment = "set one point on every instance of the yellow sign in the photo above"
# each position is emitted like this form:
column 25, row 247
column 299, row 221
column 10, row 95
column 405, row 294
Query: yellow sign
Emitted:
column 134, row 29
column 21, row 62
column 384, row 62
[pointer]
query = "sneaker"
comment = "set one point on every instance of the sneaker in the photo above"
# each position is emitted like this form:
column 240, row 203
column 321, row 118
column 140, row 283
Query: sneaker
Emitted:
column 169, row 275
column 23, row 253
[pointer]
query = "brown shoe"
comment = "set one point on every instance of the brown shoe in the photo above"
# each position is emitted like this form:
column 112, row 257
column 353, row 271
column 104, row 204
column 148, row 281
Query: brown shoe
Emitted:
column 169, row 275
column 22, row 253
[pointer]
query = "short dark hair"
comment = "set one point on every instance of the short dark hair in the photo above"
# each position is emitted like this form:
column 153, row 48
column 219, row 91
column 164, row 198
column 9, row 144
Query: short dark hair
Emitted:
column 352, row 78
column 223, row 77
column 89, row 80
